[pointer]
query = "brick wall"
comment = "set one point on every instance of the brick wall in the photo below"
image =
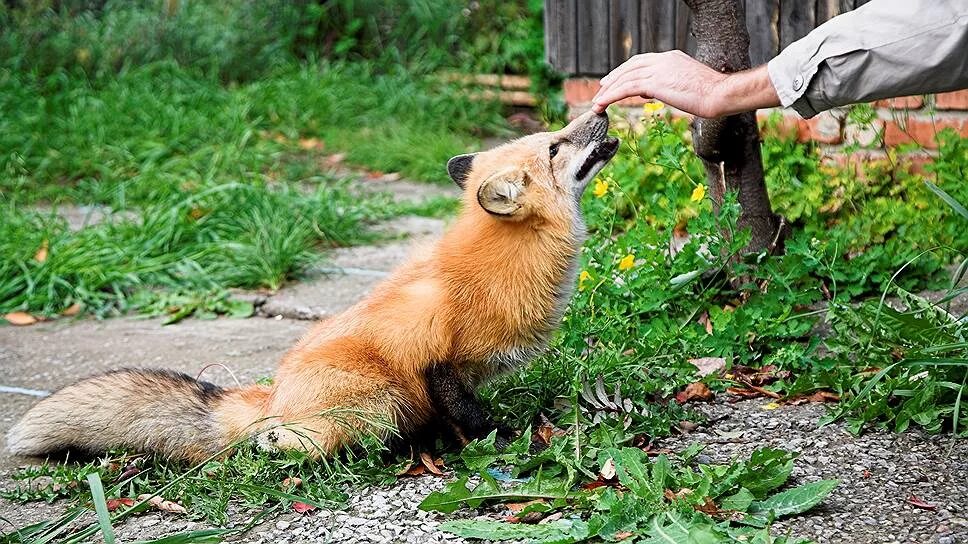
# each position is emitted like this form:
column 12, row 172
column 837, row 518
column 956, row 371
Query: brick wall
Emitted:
column 898, row 121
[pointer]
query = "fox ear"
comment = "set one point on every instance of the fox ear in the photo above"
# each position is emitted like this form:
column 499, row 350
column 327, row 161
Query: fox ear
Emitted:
column 459, row 167
column 500, row 194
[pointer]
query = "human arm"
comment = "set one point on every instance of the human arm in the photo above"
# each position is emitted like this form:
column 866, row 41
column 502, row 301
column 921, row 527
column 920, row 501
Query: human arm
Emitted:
column 884, row 48
column 682, row 82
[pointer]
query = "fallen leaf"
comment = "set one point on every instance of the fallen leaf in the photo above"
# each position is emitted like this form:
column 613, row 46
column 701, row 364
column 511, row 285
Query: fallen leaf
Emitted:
column 608, row 469
column 918, row 503
column 708, row 365
column 430, row 464
column 517, row 507
column 292, row 482
column 622, row 535
column 161, row 504
column 687, row 426
column 335, row 159
column 817, row 397
column 706, row 322
column 20, row 318
column 71, row 310
column 743, row 392
column 544, row 434
column 41, row 254
column 310, row 143
column 708, row 507
column 770, row 406
column 114, row 504
column 694, row 391
column 302, row 507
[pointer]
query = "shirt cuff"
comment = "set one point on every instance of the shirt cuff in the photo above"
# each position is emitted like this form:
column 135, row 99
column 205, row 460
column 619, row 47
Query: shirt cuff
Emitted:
column 791, row 81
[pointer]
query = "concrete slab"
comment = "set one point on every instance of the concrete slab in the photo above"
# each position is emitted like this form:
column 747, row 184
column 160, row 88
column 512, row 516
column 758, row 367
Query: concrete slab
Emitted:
column 349, row 273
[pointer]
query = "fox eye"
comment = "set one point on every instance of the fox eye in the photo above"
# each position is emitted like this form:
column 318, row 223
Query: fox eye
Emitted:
column 553, row 150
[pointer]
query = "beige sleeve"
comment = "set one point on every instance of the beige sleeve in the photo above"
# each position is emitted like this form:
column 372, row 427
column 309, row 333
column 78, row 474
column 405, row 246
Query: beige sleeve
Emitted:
column 885, row 48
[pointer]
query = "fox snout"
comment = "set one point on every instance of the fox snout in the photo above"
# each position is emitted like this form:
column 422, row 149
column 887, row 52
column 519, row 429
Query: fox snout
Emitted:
column 589, row 134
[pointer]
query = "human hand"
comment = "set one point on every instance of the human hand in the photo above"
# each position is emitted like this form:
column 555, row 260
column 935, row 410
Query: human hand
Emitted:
column 682, row 82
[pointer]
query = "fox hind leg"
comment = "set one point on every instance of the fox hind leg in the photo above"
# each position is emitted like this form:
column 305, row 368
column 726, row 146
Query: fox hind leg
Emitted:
column 459, row 407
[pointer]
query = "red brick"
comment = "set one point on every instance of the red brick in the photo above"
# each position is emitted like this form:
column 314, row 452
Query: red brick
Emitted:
column 921, row 130
column 579, row 91
column 824, row 128
column 864, row 134
column 955, row 100
column 901, row 103
column 787, row 127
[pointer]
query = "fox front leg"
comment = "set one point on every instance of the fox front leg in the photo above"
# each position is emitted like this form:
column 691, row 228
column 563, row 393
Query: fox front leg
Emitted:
column 459, row 407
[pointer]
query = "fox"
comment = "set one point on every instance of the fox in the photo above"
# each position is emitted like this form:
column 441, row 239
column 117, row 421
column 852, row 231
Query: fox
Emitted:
column 409, row 356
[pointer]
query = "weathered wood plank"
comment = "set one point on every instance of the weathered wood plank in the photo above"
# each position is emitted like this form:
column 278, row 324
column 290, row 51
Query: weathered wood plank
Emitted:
column 623, row 30
column 561, row 20
column 761, row 23
column 797, row 18
column 827, row 10
column 685, row 41
column 592, row 37
column 658, row 25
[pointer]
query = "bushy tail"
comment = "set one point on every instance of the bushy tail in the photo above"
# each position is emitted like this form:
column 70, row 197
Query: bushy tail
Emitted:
column 160, row 411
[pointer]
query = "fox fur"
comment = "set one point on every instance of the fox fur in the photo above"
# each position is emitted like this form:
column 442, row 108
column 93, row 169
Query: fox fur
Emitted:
column 482, row 301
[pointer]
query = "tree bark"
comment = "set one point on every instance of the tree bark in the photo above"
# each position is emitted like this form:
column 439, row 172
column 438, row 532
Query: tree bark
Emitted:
column 730, row 146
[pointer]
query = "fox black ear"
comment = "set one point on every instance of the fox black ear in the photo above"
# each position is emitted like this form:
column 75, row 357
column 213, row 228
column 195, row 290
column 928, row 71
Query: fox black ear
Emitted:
column 459, row 167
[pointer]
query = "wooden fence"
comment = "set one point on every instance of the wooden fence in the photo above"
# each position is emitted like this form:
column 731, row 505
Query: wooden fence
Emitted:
column 590, row 37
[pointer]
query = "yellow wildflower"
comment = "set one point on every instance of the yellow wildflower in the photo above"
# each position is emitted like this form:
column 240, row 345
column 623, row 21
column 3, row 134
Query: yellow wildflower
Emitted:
column 601, row 187
column 649, row 108
column 698, row 193
column 627, row 262
column 582, row 278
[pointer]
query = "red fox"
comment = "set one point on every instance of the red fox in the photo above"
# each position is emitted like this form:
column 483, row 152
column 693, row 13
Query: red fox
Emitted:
column 482, row 301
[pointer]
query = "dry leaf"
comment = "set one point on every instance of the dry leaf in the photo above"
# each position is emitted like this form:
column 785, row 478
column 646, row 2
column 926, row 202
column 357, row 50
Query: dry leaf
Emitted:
column 694, row 391
column 544, row 434
column 302, row 507
column 918, row 503
column 41, row 254
column 517, row 507
column 114, row 504
column 608, row 469
column 431, row 464
column 20, row 318
column 163, row 505
column 708, row 365
column 708, row 507
column 336, row 159
column 71, row 310
column 817, row 396
column 292, row 482
column 310, row 143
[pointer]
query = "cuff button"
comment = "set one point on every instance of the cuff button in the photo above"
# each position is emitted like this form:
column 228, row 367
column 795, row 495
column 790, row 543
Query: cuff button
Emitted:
column 797, row 83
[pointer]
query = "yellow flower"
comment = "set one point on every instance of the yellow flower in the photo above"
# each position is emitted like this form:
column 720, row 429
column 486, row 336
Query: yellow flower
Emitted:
column 698, row 193
column 601, row 187
column 649, row 108
column 582, row 278
column 627, row 262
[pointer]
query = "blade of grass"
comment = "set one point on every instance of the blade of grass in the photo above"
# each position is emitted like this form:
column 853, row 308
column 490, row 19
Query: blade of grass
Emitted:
column 101, row 507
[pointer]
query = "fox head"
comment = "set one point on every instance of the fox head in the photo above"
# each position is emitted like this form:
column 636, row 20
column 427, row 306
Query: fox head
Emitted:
column 537, row 177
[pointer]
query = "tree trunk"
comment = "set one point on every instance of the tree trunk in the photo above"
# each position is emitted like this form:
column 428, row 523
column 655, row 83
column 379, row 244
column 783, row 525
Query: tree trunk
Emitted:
column 730, row 146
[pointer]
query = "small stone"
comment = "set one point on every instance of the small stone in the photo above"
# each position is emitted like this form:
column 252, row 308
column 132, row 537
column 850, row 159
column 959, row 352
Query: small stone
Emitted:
column 282, row 525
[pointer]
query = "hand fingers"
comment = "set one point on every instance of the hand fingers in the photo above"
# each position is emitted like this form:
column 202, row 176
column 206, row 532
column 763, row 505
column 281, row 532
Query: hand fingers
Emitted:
column 618, row 91
column 631, row 63
column 631, row 74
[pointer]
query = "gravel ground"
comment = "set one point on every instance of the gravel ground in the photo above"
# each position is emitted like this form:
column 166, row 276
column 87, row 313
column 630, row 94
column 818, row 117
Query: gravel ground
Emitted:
column 878, row 472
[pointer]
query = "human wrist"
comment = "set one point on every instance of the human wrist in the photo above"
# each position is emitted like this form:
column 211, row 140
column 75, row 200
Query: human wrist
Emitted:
column 744, row 91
